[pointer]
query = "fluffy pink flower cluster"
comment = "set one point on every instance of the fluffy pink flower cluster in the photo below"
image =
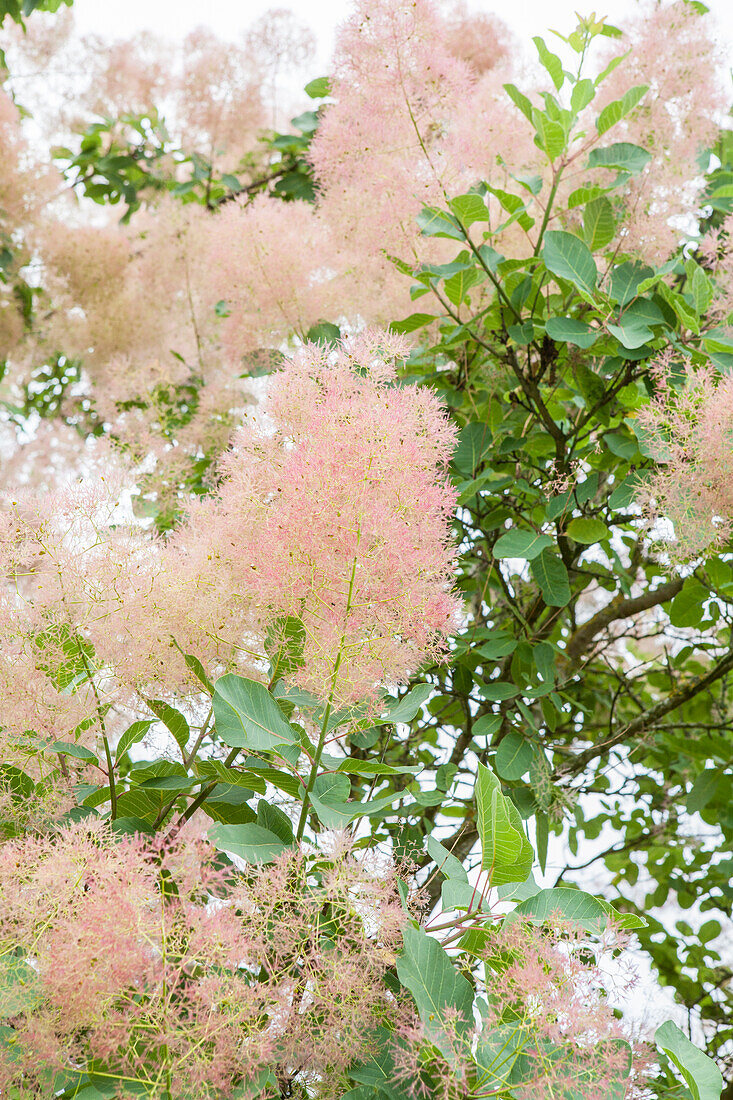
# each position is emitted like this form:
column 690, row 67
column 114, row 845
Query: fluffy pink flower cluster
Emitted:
column 667, row 47
column 547, row 1030
column 335, row 509
column 690, row 433
column 396, row 84
column 136, row 957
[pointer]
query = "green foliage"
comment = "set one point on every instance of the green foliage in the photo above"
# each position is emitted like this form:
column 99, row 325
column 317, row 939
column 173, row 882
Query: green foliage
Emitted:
column 131, row 158
column 248, row 717
column 505, row 851
column 702, row 1076
column 428, row 972
column 18, row 10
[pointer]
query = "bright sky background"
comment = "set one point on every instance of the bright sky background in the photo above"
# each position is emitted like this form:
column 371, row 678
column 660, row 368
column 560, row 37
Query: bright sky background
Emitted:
column 173, row 18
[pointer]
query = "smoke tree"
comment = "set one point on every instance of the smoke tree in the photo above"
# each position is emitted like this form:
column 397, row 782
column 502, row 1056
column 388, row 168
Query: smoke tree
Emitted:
column 365, row 532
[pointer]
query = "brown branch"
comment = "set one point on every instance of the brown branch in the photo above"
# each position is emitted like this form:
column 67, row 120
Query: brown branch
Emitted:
column 649, row 718
column 619, row 608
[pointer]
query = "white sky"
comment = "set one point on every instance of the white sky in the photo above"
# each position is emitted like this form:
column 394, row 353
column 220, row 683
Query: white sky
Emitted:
column 174, row 18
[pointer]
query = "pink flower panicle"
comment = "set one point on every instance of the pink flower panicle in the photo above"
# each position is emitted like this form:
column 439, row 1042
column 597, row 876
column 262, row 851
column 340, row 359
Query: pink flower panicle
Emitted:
column 194, row 989
column 690, row 433
column 671, row 49
column 335, row 509
column 92, row 600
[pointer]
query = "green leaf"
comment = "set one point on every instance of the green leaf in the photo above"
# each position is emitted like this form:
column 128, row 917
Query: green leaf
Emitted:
column 232, row 777
column 474, row 446
column 333, row 787
column 496, row 691
column 514, row 756
column 582, row 94
column 541, row 838
column 20, row 988
column 626, row 491
column 625, row 281
column 614, row 112
column 589, row 912
column 582, row 195
column 335, row 814
column 412, row 323
column 500, row 1058
column 552, row 577
column 324, row 333
column 378, row 1074
column 251, row 842
column 428, row 972
column 587, row 531
column 687, row 607
column 599, row 226
column 630, row 333
column 229, row 805
column 275, row 820
column 551, row 62
column 457, row 286
column 505, row 851
column 704, row 789
column 550, row 136
column 131, row 736
column 16, row 783
column 622, row 156
column 568, row 330
column 264, row 1080
column 487, row 725
column 520, row 100
column 514, row 206
column 375, row 767
column 701, row 1074
column 519, row 543
column 232, row 182
column 172, row 719
column 566, row 256
column 681, row 309
column 499, row 644
column 701, row 289
column 284, row 781
column 199, row 672
column 329, row 799
column 69, row 748
column 168, row 783
column 318, row 88
column 406, row 708
column 522, row 334
column 469, row 209
column 446, row 862
column 248, row 717
column 434, row 222
column 644, row 312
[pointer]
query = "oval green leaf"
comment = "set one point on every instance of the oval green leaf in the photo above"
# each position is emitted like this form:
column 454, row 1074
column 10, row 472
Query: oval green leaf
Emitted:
column 519, row 543
column 248, row 717
column 566, row 256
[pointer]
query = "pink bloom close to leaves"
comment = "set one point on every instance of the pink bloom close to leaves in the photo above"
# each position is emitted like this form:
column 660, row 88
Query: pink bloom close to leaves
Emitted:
column 547, row 1029
column 690, row 434
column 334, row 509
column 671, row 49
column 176, row 975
